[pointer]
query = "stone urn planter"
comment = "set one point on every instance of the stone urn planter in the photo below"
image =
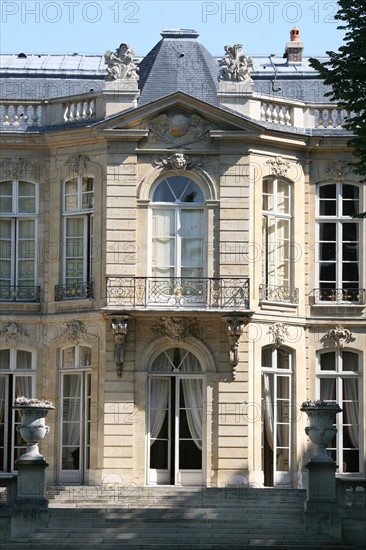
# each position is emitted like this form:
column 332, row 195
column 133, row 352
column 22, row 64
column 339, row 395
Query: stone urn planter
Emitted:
column 322, row 415
column 33, row 428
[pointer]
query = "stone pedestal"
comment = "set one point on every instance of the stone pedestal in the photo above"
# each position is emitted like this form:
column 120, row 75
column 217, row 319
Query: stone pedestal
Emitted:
column 31, row 480
column 30, row 509
column 321, row 507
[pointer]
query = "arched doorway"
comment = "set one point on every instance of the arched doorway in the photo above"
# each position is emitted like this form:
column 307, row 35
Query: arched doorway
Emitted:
column 175, row 419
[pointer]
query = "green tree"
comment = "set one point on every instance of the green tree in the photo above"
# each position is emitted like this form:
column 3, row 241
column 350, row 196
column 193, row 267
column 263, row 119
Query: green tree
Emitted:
column 345, row 72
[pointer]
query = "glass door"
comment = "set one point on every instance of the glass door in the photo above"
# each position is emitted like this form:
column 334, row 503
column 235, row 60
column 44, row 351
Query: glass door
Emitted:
column 175, row 431
column 75, row 427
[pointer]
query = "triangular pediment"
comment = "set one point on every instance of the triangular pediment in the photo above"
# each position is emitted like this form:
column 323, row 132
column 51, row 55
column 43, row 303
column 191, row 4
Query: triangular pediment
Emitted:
column 177, row 120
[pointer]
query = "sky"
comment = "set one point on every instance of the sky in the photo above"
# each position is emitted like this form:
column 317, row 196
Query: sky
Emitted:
column 87, row 26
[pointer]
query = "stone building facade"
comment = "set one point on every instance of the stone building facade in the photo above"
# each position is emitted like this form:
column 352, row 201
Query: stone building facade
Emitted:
column 180, row 268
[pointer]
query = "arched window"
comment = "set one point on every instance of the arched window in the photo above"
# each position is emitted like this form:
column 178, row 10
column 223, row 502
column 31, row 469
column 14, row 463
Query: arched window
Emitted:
column 18, row 238
column 277, row 404
column 17, row 378
column 339, row 243
column 75, row 419
column 339, row 379
column 77, row 264
column 178, row 229
column 277, row 241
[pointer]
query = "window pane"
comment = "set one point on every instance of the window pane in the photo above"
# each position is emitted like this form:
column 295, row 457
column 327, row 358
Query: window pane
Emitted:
column 6, row 200
column 85, row 356
column 71, row 194
column 327, row 231
column 350, row 272
column 327, row 361
column 163, row 193
column 327, row 251
column 350, row 203
column 349, row 361
column 350, row 251
column 5, row 359
column 68, row 357
column 328, row 389
column 350, row 231
column 283, row 359
column 267, row 357
column 24, row 359
column 327, row 191
column 327, row 271
column 26, row 197
column 327, row 207
column 87, row 193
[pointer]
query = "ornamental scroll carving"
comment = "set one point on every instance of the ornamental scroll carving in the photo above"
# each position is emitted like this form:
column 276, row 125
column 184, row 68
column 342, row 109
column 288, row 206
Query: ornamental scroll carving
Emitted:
column 176, row 330
column 337, row 337
column 13, row 332
column 75, row 330
column 278, row 166
column 15, row 169
column 337, row 169
column 178, row 129
column 279, row 333
column 120, row 65
column 78, row 164
column 234, row 66
column 119, row 328
column 179, row 161
column 234, row 329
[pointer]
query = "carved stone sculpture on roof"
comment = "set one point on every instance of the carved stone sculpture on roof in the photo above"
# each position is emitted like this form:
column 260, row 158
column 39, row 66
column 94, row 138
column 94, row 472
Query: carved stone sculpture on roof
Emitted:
column 178, row 129
column 120, row 64
column 234, row 66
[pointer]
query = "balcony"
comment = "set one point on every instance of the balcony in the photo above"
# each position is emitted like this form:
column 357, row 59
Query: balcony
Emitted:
column 74, row 291
column 280, row 294
column 20, row 293
column 342, row 296
column 227, row 293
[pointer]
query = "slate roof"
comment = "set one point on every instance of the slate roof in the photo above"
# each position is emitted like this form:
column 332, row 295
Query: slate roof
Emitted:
column 178, row 62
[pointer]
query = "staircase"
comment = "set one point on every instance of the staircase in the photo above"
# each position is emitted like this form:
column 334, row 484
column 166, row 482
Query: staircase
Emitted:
column 169, row 518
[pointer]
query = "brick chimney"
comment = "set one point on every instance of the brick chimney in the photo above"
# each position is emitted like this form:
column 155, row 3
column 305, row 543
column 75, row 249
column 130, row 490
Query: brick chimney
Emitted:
column 294, row 48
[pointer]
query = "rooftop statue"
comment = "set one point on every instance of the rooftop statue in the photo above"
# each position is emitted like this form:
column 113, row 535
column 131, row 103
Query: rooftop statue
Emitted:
column 121, row 64
column 234, row 67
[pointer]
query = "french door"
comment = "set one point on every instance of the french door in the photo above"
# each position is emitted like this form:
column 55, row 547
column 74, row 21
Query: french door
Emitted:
column 75, row 427
column 276, row 416
column 12, row 445
column 175, row 430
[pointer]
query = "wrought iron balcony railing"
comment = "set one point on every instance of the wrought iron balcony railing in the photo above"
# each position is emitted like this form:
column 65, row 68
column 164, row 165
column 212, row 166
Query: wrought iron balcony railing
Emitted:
column 340, row 295
column 283, row 294
column 178, row 292
column 74, row 291
column 20, row 293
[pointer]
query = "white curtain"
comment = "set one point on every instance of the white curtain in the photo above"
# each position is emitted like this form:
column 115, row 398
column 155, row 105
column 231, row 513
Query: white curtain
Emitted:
column 193, row 397
column 163, row 242
column 23, row 386
column 159, row 393
column 2, row 401
column 268, row 408
column 327, row 389
column 71, row 423
column 350, row 387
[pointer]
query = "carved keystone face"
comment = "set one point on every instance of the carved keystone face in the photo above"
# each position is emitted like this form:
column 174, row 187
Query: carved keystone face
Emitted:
column 179, row 125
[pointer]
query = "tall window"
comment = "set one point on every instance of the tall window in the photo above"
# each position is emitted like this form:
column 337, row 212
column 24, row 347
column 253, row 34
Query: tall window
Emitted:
column 75, row 399
column 277, row 419
column 77, row 266
column 18, row 237
column 277, row 213
column 17, row 378
column 338, row 238
column 178, row 229
column 339, row 380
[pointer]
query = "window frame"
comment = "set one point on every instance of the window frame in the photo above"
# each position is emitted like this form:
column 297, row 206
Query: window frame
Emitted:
column 338, row 219
column 339, row 375
column 15, row 217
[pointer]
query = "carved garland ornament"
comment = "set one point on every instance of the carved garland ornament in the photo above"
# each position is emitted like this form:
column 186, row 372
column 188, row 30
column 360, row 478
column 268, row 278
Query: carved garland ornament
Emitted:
column 119, row 328
column 279, row 333
column 337, row 169
column 278, row 166
column 13, row 332
column 338, row 337
column 178, row 129
column 234, row 67
column 78, row 164
column 176, row 330
column 179, row 161
column 75, row 329
column 15, row 168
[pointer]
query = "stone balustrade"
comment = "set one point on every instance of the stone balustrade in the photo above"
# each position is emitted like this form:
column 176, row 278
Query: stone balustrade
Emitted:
column 18, row 115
